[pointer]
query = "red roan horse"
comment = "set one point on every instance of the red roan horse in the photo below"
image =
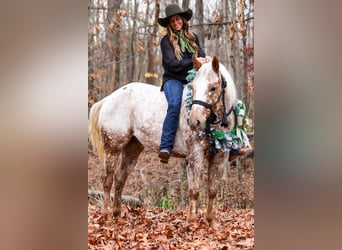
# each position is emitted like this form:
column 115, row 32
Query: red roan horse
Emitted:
column 130, row 120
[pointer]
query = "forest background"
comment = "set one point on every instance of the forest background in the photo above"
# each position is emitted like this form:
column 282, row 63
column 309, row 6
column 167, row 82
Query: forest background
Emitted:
column 123, row 47
column 124, row 36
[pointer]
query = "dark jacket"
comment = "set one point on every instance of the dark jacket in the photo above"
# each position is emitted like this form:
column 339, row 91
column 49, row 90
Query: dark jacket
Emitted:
column 173, row 68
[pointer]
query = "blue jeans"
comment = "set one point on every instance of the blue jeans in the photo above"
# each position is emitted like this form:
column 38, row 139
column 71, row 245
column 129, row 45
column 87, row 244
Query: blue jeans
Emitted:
column 173, row 90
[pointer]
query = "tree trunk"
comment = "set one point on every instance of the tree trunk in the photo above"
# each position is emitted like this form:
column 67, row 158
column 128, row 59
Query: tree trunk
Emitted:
column 114, row 6
column 151, row 43
column 185, row 4
column 235, row 56
column 133, row 41
column 199, row 14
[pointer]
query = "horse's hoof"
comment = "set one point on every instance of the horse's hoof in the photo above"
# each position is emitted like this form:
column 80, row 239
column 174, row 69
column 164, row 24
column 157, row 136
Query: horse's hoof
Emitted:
column 214, row 225
column 116, row 212
column 106, row 215
column 191, row 219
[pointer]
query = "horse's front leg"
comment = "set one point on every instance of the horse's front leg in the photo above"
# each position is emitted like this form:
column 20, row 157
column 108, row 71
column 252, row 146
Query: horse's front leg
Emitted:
column 215, row 167
column 196, row 161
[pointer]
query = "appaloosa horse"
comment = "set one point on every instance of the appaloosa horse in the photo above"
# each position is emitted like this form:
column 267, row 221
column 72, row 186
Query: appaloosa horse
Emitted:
column 130, row 120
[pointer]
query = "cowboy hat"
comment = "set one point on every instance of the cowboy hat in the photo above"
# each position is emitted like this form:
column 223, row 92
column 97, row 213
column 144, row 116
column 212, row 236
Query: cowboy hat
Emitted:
column 171, row 10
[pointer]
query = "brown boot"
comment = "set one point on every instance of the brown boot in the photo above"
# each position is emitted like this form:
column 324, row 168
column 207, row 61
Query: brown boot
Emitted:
column 243, row 151
column 164, row 156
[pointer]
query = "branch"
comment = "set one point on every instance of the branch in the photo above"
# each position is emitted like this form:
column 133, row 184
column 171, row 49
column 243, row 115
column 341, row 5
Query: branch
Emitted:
column 221, row 23
column 125, row 199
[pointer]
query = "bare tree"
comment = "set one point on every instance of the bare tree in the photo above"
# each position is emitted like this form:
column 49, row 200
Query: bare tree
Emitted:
column 131, row 51
column 151, row 43
column 185, row 4
column 114, row 6
column 199, row 17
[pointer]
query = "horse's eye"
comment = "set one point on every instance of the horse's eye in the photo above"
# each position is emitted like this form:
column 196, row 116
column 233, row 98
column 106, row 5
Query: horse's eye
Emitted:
column 213, row 89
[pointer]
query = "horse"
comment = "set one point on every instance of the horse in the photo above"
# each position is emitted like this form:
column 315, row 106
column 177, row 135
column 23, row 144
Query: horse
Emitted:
column 129, row 120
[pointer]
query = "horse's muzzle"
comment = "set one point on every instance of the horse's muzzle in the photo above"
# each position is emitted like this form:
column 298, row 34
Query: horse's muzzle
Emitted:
column 197, row 122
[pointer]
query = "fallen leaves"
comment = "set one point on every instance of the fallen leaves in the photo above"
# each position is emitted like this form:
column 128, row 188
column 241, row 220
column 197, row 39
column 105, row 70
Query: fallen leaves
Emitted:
column 155, row 228
column 151, row 227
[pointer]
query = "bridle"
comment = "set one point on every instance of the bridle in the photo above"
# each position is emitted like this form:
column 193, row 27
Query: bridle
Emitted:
column 212, row 117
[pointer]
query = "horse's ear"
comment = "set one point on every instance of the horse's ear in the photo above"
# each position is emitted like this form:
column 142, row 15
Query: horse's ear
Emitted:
column 197, row 64
column 216, row 65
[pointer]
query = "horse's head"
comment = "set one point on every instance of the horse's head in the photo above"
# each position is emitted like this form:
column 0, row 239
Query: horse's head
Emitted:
column 207, row 93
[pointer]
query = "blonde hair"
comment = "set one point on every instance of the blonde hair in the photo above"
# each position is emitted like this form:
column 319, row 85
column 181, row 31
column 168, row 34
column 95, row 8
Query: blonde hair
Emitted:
column 174, row 39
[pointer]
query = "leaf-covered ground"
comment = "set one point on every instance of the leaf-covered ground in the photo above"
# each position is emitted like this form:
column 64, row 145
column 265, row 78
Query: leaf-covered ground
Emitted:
column 157, row 228
column 152, row 227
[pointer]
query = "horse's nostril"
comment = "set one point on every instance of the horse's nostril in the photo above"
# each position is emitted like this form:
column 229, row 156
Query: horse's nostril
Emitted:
column 195, row 124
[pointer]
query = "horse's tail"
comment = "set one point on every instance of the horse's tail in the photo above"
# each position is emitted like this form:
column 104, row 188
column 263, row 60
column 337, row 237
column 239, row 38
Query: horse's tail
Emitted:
column 94, row 130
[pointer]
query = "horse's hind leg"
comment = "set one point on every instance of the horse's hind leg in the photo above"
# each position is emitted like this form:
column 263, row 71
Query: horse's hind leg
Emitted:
column 129, row 157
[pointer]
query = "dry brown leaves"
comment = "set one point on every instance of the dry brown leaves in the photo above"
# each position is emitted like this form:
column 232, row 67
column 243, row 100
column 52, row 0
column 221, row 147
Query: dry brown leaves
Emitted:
column 156, row 228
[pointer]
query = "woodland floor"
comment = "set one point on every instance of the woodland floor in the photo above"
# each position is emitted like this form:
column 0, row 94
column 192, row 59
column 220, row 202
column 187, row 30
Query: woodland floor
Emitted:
column 160, row 223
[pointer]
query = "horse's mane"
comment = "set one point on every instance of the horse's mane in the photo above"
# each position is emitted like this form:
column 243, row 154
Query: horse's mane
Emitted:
column 231, row 93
